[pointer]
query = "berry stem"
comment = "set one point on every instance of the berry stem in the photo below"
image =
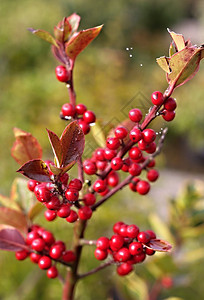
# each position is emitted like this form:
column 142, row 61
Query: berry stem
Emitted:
column 87, row 242
column 93, row 271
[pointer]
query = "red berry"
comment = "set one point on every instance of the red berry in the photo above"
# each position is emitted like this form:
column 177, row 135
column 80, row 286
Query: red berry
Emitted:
column 135, row 153
column 113, row 143
column 54, row 203
column 151, row 148
column 32, row 235
column 31, row 184
column 100, row 254
column 61, row 244
column 48, row 237
column 132, row 231
column 152, row 175
column 52, row 272
column 72, row 194
column 126, row 164
column 64, row 178
column 120, row 132
column 170, row 104
column 142, row 145
column 44, row 263
column 116, row 163
column 151, row 234
column 143, row 187
column 89, row 167
column 55, row 251
column 135, row 248
column 68, row 256
column 75, row 184
column 151, row 164
column 89, row 116
column 84, row 126
column 72, row 217
column 21, row 254
column 102, row 243
column 135, row 169
column 38, row 244
column 135, row 115
column 139, row 257
column 135, row 134
column 42, row 193
column 123, row 230
column 62, row 74
column 109, row 153
column 64, row 211
column 85, row 212
column 148, row 135
column 50, row 215
column 116, row 226
column 143, row 237
column 35, row 257
column 123, row 255
column 124, row 269
column 113, row 179
column 133, row 184
column 89, row 199
column 99, row 154
column 99, row 186
column 80, row 108
column 149, row 251
column 116, row 242
column 157, row 98
column 168, row 115
column 68, row 110
column 101, row 165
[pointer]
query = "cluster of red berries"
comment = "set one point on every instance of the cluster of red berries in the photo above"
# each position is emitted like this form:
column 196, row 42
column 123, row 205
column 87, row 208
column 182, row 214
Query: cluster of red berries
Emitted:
column 128, row 246
column 169, row 105
column 43, row 250
column 59, row 203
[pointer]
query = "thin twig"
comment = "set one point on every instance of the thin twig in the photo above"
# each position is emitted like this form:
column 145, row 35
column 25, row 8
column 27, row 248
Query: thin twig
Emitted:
column 101, row 267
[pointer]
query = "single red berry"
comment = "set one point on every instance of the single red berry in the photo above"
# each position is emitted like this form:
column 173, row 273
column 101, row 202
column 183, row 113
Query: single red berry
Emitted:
column 80, row 108
column 50, row 215
column 123, row 230
column 64, row 178
column 100, row 254
column 84, row 126
column 148, row 135
column 52, row 272
column 123, row 255
column 170, row 104
column 135, row 115
column 68, row 110
column 31, row 184
column 38, row 244
column 48, row 237
column 35, row 257
column 109, row 153
column 54, row 203
column 64, row 211
column 151, row 164
column 139, row 258
column 126, row 164
column 99, row 186
column 133, row 184
column 116, row 163
column 168, row 115
column 152, row 175
column 89, row 167
column 132, row 231
column 89, row 199
column 102, row 243
column 101, row 165
column 85, row 212
column 116, row 242
column 142, row 145
column 61, row 244
column 124, row 269
column 42, row 193
column 135, row 134
column 151, row 148
column 135, row 153
column 21, row 254
column 68, row 256
column 55, row 251
column 113, row 143
column 44, row 262
column 113, row 179
column 116, row 226
column 99, row 154
column 143, row 237
column 89, row 116
column 157, row 98
column 72, row 217
column 32, row 235
column 72, row 194
column 152, row 234
column 143, row 187
column 120, row 132
column 135, row 248
column 135, row 169
column 149, row 251
column 62, row 74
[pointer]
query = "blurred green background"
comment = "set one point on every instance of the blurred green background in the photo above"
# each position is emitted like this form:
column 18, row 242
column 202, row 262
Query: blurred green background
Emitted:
column 109, row 79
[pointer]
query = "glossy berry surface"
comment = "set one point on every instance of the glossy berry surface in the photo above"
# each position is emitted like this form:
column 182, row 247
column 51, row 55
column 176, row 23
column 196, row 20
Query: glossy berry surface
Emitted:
column 135, row 248
column 21, row 255
column 152, row 175
column 89, row 167
column 135, row 115
column 116, row 163
column 135, row 134
column 102, row 243
column 89, row 116
column 113, row 143
column 143, row 187
column 50, row 215
column 52, row 272
column 99, row 186
column 121, row 132
column 72, row 194
column 124, row 269
column 100, row 254
column 149, row 135
column 38, row 244
column 68, row 110
column 143, row 237
column 170, row 104
column 73, row 216
column 85, row 213
column 157, row 98
column 62, row 74
column 44, row 262
column 89, row 199
column 168, row 115
column 80, row 109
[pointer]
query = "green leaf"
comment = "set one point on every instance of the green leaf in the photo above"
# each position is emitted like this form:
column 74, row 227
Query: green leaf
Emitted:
column 178, row 40
column 25, row 147
column 98, row 134
column 44, row 35
column 163, row 62
column 35, row 210
column 80, row 40
column 13, row 218
column 35, row 169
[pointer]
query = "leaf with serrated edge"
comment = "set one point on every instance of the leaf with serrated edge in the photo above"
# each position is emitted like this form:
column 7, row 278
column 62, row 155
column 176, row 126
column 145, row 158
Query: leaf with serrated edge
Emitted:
column 56, row 146
column 11, row 239
column 159, row 245
column 26, row 147
column 35, row 210
column 35, row 169
column 178, row 39
column 163, row 62
column 13, row 218
column 72, row 141
column 44, row 35
column 80, row 41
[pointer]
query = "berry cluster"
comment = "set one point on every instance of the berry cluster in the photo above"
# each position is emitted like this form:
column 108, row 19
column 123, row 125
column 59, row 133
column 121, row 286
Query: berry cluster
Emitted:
column 169, row 105
column 43, row 250
column 128, row 246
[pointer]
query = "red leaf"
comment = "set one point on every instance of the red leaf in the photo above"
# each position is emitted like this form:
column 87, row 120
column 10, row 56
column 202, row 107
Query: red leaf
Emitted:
column 74, row 20
column 11, row 239
column 159, row 245
column 13, row 218
column 72, row 143
column 80, row 40
column 35, row 169
column 26, row 147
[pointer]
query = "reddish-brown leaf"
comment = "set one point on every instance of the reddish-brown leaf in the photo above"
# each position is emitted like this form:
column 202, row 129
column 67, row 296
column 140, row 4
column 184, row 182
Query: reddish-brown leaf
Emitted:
column 25, row 147
column 35, row 169
column 74, row 20
column 11, row 239
column 56, row 146
column 44, row 35
column 72, row 142
column 159, row 245
column 13, row 218
column 80, row 40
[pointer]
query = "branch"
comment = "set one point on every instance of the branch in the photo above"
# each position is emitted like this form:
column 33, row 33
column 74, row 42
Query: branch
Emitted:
column 101, row 267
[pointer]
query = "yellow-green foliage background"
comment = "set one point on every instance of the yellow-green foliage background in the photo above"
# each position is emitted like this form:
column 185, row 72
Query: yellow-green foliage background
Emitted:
column 106, row 78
